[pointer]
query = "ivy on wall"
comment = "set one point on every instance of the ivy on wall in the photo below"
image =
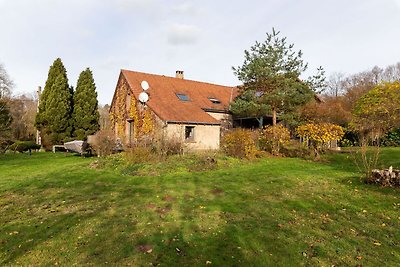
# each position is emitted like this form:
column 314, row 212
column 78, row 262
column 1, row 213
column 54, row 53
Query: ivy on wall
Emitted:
column 143, row 119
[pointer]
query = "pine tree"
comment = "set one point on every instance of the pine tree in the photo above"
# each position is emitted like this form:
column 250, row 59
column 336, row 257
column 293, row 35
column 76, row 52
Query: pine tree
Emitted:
column 86, row 114
column 55, row 70
column 271, row 79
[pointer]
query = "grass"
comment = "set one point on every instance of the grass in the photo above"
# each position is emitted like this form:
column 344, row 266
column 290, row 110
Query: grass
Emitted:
column 56, row 210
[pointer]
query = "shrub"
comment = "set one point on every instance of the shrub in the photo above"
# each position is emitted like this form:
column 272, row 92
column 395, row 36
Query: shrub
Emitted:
column 294, row 149
column 22, row 146
column 240, row 143
column 103, row 143
column 392, row 138
column 272, row 138
column 319, row 134
column 139, row 154
column 4, row 145
column 170, row 146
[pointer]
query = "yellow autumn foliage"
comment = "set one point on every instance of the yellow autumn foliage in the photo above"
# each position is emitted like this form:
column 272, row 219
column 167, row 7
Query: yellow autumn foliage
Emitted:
column 240, row 144
column 273, row 137
column 320, row 133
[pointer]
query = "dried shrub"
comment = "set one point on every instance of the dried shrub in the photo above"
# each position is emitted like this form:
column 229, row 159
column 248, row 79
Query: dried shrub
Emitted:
column 139, row 154
column 103, row 143
column 272, row 138
column 203, row 162
column 240, row 143
column 170, row 146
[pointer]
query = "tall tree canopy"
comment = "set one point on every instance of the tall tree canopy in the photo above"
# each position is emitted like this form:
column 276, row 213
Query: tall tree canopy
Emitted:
column 6, row 119
column 378, row 110
column 85, row 115
column 271, row 79
column 55, row 106
column 55, row 70
column 6, row 84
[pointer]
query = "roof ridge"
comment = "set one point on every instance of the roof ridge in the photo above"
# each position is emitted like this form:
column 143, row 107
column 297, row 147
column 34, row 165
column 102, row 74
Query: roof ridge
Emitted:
column 170, row 77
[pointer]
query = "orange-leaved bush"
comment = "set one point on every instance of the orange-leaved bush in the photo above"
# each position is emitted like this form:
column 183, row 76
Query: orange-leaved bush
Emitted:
column 240, row 143
column 272, row 138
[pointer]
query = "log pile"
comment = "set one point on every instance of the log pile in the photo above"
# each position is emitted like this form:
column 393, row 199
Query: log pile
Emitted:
column 387, row 177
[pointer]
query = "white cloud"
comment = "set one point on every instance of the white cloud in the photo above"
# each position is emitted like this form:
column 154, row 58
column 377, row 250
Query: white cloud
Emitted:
column 186, row 8
column 181, row 34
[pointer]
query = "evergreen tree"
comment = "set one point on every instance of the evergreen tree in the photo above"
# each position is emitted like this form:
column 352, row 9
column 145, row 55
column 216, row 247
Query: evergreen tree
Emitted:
column 58, row 110
column 41, row 120
column 55, row 107
column 86, row 114
column 271, row 79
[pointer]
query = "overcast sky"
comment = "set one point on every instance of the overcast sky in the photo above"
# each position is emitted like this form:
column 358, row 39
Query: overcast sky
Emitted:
column 205, row 38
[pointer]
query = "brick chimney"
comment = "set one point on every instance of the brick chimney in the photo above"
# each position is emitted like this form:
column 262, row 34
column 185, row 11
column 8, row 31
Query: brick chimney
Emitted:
column 179, row 74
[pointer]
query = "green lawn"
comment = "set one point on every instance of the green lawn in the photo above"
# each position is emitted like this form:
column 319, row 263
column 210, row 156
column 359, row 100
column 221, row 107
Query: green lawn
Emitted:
column 55, row 210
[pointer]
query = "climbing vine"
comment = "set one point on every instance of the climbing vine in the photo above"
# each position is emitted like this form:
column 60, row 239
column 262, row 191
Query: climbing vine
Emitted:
column 120, row 114
column 147, row 122
column 143, row 121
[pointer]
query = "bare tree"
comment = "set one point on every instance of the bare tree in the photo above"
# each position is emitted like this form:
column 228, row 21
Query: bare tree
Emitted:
column 105, row 123
column 391, row 73
column 336, row 84
column 6, row 84
column 23, row 109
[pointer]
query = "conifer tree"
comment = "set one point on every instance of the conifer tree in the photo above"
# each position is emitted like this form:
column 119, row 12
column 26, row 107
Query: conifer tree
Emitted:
column 41, row 120
column 271, row 79
column 86, row 114
column 55, row 108
column 58, row 110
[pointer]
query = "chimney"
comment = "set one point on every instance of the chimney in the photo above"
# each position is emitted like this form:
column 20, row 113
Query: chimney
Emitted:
column 179, row 74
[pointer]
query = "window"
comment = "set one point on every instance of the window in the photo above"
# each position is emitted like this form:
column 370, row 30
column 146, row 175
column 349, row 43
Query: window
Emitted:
column 189, row 133
column 214, row 100
column 183, row 97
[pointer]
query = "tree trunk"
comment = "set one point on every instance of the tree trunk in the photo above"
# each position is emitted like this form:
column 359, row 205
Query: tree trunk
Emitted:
column 273, row 116
column 260, row 122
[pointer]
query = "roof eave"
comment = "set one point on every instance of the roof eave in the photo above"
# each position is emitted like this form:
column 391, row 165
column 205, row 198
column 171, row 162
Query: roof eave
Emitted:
column 194, row 122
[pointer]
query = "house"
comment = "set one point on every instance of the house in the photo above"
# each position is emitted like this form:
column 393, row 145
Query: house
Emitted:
column 192, row 112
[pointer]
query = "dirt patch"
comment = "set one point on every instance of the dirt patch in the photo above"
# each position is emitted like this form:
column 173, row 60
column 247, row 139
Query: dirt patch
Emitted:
column 168, row 198
column 146, row 248
column 217, row 191
column 164, row 210
column 94, row 165
column 150, row 206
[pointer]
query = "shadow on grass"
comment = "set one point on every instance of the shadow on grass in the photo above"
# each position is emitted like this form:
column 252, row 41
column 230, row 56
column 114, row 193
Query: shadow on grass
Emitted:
column 276, row 212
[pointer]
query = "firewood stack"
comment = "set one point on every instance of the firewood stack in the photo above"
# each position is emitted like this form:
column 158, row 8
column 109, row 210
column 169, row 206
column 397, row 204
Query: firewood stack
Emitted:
column 387, row 177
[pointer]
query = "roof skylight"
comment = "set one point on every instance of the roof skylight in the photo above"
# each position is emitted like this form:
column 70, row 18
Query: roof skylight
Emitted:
column 214, row 100
column 183, row 97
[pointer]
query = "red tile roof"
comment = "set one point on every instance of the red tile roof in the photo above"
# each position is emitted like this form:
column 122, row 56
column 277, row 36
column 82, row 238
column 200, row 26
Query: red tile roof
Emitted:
column 164, row 102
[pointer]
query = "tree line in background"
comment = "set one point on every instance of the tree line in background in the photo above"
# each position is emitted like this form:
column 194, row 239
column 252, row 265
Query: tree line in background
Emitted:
column 342, row 103
column 64, row 113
